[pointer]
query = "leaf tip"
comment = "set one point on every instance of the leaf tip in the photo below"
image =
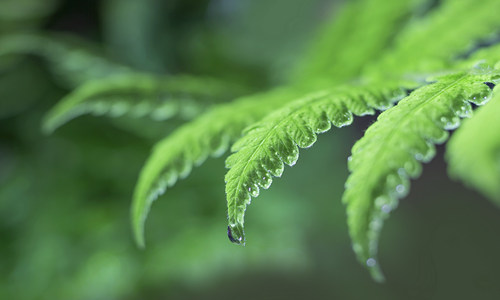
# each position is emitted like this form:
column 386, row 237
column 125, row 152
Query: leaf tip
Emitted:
column 375, row 271
column 236, row 234
column 138, row 219
column 47, row 128
column 138, row 230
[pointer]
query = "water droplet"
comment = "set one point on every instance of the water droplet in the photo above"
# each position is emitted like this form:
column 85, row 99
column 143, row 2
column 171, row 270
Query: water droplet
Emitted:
column 465, row 110
column 254, row 190
column 290, row 160
column 307, row 140
column 272, row 164
column 293, row 156
column 322, row 126
column 482, row 95
column 400, row 189
column 266, row 182
column 386, row 208
column 371, row 262
column 450, row 124
column 342, row 120
column 230, row 235
column 277, row 172
column 234, row 235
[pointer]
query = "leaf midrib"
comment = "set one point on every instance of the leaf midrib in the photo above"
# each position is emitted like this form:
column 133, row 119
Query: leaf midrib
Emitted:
column 268, row 134
column 404, row 121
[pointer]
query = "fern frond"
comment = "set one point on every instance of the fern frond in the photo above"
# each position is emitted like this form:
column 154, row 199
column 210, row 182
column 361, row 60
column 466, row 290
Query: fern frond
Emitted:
column 473, row 152
column 359, row 33
column 71, row 60
column 435, row 42
column 484, row 58
column 139, row 95
column 209, row 135
column 261, row 152
column 393, row 148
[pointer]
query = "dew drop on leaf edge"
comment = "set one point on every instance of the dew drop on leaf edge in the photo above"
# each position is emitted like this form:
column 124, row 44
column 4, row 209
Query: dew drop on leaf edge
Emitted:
column 371, row 262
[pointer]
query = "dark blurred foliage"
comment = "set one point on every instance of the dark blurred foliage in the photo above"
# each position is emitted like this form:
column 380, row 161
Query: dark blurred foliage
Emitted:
column 64, row 199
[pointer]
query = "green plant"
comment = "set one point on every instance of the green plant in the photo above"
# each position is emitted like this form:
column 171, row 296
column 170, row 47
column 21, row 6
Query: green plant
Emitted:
column 421, row 62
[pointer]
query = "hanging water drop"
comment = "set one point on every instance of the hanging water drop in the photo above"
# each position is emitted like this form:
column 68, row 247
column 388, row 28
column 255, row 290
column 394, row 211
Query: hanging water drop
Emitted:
column 230, row 236
column 235, row 234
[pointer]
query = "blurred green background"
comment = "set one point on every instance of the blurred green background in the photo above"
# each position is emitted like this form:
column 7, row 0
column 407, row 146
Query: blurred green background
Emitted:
column 64, row 198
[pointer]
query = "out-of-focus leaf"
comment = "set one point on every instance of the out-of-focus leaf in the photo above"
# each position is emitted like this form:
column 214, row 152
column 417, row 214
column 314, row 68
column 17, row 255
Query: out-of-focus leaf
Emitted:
column 473, row 152
column 393, row 148
column 72, row 60
column 138, row 95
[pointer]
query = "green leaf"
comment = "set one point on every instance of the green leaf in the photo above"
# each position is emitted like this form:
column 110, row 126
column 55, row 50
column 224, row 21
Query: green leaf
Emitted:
column 139, row 95
column 355, row 36
column 209, row 135
column 473, row 152
column 261, row 152
column 483, row 58
column 393, row 148
column 433, row 43
column 72, row 60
